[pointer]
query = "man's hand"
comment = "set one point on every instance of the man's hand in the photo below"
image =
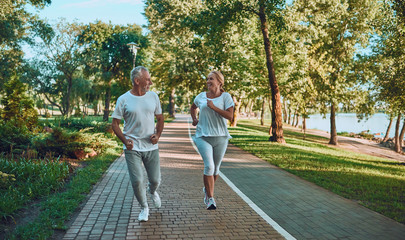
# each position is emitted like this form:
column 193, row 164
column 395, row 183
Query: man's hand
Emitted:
column 129, row 144
column 154, row 138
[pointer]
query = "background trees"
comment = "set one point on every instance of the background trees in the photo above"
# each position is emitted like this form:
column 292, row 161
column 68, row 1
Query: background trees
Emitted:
column 17, row 26
column 336, row 30
column 107, row 56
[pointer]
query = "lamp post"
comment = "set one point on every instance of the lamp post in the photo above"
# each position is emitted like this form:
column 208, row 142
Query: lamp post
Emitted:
column 133, row 48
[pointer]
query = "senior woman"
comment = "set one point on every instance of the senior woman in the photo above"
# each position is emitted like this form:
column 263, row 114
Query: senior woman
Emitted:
column 211, row 137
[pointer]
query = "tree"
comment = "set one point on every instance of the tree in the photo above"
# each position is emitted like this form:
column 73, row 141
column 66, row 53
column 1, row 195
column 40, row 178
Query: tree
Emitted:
column 17, row 26
column 336, row 29
column 18, row 107
column 108, row 58
column 57, row 65
column 389, row 64
column 219, row 14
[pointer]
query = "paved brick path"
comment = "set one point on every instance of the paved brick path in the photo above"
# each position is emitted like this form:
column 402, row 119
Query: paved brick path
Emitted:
column 298, row 208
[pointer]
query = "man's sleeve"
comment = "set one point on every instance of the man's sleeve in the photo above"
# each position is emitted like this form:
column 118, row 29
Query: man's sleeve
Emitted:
column 158, row 109
column 118, row 109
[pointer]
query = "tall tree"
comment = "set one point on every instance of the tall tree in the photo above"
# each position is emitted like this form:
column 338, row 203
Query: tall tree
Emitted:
column 108, row 57
column 336, row 29
column 57, row 65
column 17, row 26
column 389, row 64
column 219, row 14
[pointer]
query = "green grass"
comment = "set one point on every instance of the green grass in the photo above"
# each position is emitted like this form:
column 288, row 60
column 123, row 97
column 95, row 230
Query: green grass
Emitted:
column 376, row 183
column 57, row 208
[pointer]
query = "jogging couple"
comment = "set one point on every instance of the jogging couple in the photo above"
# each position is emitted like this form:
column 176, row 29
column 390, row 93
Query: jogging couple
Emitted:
column 139, row 107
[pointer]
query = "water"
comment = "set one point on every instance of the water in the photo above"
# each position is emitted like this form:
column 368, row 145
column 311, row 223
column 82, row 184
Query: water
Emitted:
column 348, row 122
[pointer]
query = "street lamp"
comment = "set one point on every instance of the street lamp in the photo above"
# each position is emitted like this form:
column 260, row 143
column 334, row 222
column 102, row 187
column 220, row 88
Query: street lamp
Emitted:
column 133, row 48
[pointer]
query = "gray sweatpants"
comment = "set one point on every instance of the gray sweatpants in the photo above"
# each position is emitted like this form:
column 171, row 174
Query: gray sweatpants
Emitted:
column 212, row 150
column 151, row 161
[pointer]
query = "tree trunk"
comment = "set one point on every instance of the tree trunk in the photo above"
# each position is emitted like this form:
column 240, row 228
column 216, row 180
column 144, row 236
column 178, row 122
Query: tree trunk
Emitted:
column 297, row 120
column 107, row 104
column 401, row 136
column 397, row 146
column 262, row 113
column 285, row 111
column 69, row 91
column 234, row 121
column 172, row 103
column 248, row 109
column 333, row 133
column 387, row 134
column 304, row 125
column 276, row 116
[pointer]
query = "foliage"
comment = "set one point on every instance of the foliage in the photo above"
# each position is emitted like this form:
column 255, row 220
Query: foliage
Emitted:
column 73, row 123
column 33, row 179
column 14, row 138
column 62, row 142
column 108, row 58
column 17, row 26
column 333, row 32
column 56, row 69
column 18, row 107
column 59, row 207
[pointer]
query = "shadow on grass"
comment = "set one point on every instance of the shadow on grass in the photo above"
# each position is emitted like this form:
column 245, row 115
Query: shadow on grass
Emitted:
column 376, row 184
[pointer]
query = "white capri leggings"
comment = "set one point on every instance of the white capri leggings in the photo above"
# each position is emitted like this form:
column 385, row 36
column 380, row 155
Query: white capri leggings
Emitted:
column 212, row 150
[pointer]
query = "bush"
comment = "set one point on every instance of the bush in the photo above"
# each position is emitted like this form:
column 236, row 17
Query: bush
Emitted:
column 60, row 142
column 13, row 137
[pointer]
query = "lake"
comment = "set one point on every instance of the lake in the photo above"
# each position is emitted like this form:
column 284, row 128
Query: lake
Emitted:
column 348, row 122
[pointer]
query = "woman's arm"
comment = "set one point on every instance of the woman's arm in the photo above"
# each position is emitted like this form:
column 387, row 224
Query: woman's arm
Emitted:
column 193, row 112
column 228, row 113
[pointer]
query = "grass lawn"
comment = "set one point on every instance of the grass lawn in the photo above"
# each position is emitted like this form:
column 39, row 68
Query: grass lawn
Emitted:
column 376, row 183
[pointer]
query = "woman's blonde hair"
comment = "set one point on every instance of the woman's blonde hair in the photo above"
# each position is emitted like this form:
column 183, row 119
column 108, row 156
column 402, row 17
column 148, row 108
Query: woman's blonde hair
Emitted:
column 220, row 78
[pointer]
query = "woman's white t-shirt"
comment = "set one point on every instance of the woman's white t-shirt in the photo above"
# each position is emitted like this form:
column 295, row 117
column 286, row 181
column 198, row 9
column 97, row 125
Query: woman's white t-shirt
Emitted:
column 210, row 123
column 139, row 118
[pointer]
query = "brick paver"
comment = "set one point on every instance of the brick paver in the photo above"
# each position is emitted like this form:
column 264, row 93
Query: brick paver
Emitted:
column 301, row 208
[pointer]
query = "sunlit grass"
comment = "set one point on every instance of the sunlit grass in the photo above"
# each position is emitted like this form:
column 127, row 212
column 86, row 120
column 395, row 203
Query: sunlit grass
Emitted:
column 374, row 182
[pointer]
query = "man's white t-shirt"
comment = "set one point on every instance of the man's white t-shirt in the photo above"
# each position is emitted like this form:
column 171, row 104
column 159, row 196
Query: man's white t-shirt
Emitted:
column 210, row 123
column 138, row 113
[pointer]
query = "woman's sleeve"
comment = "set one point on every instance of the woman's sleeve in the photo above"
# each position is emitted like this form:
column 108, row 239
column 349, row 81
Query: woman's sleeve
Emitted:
column 197, row 100
column 228, row 101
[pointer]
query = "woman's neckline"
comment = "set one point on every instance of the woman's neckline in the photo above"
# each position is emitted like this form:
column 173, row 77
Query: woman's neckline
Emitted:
column 206, row 94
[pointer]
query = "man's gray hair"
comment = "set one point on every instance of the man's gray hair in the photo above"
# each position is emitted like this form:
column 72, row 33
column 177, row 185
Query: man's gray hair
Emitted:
column 137, row 73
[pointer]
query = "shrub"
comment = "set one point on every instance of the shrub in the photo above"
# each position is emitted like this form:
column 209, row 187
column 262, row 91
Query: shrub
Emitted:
column 13, row 137
column 59, row 142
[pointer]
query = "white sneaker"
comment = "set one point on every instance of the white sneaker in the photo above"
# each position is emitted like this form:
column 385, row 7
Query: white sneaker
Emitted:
column 155, row 199
column 205, row 196
column 211, row 204
column 143, row 216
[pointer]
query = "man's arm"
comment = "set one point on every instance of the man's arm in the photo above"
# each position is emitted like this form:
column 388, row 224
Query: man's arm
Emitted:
column 129, row 144
column 160, row 121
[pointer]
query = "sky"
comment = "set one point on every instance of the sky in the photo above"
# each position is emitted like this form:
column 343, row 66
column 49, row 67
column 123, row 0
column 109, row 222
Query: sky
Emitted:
column 85, row 11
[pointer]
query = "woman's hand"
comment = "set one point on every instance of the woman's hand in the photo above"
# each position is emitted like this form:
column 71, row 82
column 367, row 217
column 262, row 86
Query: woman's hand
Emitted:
column 210, row 104
column 195, row 122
